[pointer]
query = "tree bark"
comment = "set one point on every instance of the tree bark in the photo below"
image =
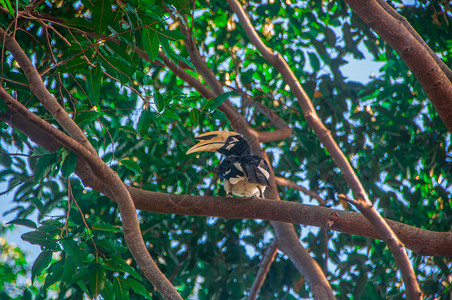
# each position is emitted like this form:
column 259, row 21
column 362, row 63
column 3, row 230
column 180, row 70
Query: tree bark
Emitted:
column 362, row 202
column 415, row 54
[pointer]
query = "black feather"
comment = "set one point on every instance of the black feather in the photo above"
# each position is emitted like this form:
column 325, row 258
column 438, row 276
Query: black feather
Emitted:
column 250, row 165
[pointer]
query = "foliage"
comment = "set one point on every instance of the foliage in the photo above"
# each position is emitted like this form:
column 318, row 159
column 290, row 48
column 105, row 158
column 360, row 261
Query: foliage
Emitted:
column 97, row 58
column 13, row 270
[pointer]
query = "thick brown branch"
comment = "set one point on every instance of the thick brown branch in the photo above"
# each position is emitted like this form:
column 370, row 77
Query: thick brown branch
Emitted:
column 422, row 242
column 120, row 194
column 414, row 53
column 364, row 205
column 286, row 234
column 40, row 91
column 416, row 35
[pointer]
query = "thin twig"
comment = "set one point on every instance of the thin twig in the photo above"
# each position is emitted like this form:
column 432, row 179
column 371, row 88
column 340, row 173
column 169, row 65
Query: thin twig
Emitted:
column 266, row 262
column 281, row 181
column 120, row 195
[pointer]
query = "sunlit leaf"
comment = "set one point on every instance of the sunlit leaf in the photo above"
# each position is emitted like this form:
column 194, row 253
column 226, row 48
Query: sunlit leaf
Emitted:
column 41, row 262
column 7, row 4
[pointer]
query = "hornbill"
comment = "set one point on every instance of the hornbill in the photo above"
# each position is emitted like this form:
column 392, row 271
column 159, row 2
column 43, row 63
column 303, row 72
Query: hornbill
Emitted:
column 243, row 174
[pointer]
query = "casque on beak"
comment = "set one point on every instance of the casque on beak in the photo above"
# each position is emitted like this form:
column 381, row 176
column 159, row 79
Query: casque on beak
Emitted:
column 211, row 141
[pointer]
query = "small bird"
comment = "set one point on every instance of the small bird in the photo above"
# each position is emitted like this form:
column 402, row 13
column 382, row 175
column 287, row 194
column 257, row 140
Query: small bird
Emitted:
column 243, row 174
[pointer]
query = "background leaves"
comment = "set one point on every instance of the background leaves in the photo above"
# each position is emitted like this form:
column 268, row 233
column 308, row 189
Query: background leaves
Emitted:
column 141, row 119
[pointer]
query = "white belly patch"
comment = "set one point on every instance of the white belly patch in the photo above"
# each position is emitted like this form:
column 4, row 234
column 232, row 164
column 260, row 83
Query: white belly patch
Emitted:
column 243, row 188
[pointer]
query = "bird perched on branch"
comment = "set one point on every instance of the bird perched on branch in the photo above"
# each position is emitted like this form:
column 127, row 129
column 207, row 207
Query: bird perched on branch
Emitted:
column 243, row 174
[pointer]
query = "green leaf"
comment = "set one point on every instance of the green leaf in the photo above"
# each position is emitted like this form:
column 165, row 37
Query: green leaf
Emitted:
column 112, row 245
column 315, row 63
column 68, row 271
column 73, row 251
column 6, row 4
column 137, row 287
column 97, row 279
column 121, row 289
column 102, row 15
column 103, row 226
column 40, row 151
column 182, row 5
column 108, row 293
column 119, row 265
column 37, row 238
column 159, row 101
column 86, row 117
column 44, row 165
column 220, row 99
column 69, row 164
column 194, row 116
column 166, row 46
column 3, row 106
column 131, row 165
column 144, row 122
column 83, row 286
column 51, row 226
column 150, row 42
column 94, row 84
column 173, row 34
column 54, row 274
column 24, row 222
column 188, row 62
column 41, row 262
column 74, row 64
column 37, row 203
column 330, row 37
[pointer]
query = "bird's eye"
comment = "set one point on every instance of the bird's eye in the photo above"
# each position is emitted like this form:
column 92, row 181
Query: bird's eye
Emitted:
column 232, row 139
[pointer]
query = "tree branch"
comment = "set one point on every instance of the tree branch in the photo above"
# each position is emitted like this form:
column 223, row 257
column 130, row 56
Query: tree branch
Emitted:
column 282, row 131
column 281, row 181
column 413, row 50
column 286, row 234
column 38, row 88
column 422, row 242
column 388, row 8
column 267, row 259
column 121, row 196
column 362, row 203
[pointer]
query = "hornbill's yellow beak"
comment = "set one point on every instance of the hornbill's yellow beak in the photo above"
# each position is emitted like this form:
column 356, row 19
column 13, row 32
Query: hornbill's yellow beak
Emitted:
column 211, row 141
